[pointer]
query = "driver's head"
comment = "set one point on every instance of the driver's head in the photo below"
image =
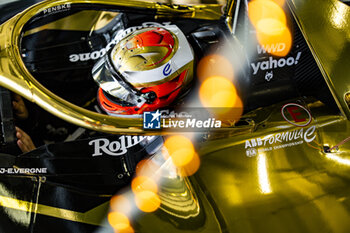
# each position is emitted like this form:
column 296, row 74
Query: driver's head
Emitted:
column 145, row 71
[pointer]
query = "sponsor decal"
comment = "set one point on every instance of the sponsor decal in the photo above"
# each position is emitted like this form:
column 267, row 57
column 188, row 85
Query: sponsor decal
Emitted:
column 120, row 35
column 117, row 147
column 273, row 63
column 296, row 114
column 12, row 170
column 59, row 8
column 268, row 76
column 251, row 152
column 271, row 48
column 280, row 140
column 167, row 70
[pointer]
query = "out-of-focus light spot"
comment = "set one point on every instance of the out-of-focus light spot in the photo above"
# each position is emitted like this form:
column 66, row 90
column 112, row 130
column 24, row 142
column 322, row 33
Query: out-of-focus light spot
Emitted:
column 271, row 27
column 180, row 149
column 214, row 65
column 264, row 181
column 280, row 2
column 191, row 167
column 338, row 159
column 143, row 183
column 147, row 167
column 121, row 204
column 147, row 201
column 230, row 115
column 265, row 9
column 219, row 95
column 217, row 92
column 182, row 156
column 270, row 23
column 118, row 221
column 278, row 44
column 182, row 153
column 127, row 230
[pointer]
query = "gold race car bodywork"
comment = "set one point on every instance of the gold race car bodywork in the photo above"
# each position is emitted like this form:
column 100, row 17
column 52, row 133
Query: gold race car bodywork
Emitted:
column 270, row 172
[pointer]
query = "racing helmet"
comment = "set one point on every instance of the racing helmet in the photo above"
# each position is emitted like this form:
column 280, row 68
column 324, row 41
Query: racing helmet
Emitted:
column 146, row 70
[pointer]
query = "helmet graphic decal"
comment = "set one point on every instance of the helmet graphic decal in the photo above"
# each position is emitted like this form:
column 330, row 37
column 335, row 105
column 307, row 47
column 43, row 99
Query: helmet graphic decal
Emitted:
column 144, row 50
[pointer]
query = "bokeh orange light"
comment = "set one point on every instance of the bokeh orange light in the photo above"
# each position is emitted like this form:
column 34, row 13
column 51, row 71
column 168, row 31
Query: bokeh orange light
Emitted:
column 280, row 2
column 283, row 40
column 143, row 183
column 218, row 92
column 191, row 167
column 121, row 204
column 126, row 230
column 118, row 220
column 183, row 154
column 214, row 65
column 230, row 115
column 147, row 201
column 180, row 149
column 270, row 23
column 265, row 9
column 271, row 27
